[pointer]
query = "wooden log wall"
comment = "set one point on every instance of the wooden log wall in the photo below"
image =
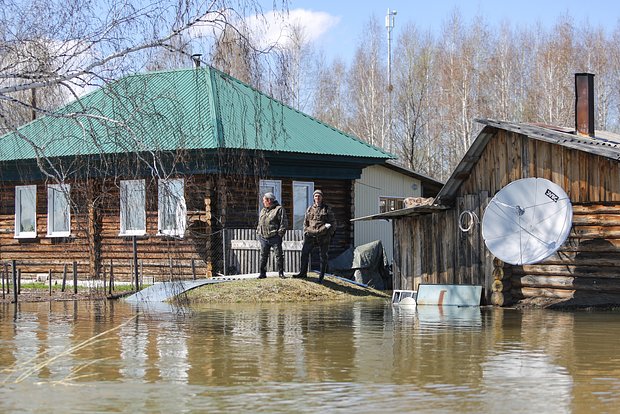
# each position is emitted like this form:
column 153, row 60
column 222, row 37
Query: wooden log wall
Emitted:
column 160, row 258
column 586, row 269
column 213, row 203
column 42, row 254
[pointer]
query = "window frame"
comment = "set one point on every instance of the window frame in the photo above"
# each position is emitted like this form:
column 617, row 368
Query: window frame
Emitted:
column 18, row 234
column 387, row 199
column 163, row 194
column 277, row 190
column 309, row 201
column 124, row 188
column 65, row 190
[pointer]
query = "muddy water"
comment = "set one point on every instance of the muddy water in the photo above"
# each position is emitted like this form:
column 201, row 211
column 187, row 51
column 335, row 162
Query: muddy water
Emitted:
column 354, row 357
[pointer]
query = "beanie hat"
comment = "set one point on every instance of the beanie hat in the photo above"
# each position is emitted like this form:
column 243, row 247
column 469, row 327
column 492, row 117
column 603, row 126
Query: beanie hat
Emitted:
column 270, row 196
column 317, row 192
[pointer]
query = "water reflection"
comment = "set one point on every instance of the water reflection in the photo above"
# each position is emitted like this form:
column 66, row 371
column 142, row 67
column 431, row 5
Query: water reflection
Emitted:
column 364, row 356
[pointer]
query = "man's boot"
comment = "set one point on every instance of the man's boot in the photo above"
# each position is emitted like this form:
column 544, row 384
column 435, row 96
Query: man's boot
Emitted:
column 322, row 274
column 303, row 272
column 281, row 269
column 262, row 276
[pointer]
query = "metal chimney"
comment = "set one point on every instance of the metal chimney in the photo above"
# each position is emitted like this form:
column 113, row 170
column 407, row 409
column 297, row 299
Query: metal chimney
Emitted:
column 584, row 104
column 196, row 58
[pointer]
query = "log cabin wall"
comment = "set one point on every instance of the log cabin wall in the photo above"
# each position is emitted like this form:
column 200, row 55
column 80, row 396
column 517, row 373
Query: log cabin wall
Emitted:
column 160, row 258
column 41, row 254
column 585, row 270
column 213, row 202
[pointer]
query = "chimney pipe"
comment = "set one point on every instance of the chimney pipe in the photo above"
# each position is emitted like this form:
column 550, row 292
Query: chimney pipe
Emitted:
column 584, row 104
column 196, row 58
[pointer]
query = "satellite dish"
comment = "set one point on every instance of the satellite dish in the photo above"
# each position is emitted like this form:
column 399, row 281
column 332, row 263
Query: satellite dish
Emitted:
column 527, row 221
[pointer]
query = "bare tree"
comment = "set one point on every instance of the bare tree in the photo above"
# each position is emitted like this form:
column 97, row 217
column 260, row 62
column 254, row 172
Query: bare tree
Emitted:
column 416, row 143
column 331, row 97
column 296, row 66
column 367, row 88
column 234, row 53
column 88, row 43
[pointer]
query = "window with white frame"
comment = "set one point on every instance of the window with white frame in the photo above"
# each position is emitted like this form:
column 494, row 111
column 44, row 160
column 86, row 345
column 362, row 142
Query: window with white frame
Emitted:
column 302, row 199
column 133, row 211
column 269, row 186
column 26, row 211
column 172, row 212
column 58, row 210
column 391, row 203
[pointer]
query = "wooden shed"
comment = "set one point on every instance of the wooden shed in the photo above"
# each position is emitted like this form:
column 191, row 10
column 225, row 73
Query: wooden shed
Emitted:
column 431, row 248
column 162, row 174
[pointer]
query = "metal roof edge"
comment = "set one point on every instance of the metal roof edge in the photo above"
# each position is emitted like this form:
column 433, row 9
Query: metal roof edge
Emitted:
column 407, row 171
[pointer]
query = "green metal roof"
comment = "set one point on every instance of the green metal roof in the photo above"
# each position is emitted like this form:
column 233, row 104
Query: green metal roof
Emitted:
column 189, row 109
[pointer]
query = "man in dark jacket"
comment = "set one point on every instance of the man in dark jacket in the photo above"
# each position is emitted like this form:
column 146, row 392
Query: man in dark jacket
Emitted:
column 270, row 230
column 319, row 227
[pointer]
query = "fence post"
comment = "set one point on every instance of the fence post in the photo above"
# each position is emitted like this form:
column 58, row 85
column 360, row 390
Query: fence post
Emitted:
column 49, row 280
column 75, row 278
column 135, row 262
column 19, row 281
column 193, row 270
column 104, row 276
column 14, row 272
column 64, row 278
column 5, row 274
column 111, row 285
column 223, row 251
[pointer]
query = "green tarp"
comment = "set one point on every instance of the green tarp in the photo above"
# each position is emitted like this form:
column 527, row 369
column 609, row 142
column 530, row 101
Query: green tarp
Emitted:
column 365, row 264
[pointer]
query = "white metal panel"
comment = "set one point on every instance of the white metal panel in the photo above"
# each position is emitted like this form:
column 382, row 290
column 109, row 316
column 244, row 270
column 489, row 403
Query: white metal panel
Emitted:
column 378, row 181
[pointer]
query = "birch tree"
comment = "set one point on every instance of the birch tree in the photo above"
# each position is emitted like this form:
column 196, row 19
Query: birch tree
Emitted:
column 368, row 88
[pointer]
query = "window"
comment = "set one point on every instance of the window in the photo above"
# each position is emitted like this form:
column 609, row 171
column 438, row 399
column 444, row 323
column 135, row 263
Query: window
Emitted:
column 302, row 199
column 58, row 210
column 269, row 186
column 172, row 213
column 133, row 214
column 390, row 204
column 26, row 211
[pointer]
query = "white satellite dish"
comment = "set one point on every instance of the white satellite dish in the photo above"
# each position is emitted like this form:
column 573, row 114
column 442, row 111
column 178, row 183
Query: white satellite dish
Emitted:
column 527, row 221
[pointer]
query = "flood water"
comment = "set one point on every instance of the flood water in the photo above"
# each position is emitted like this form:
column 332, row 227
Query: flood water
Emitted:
column 362, row 357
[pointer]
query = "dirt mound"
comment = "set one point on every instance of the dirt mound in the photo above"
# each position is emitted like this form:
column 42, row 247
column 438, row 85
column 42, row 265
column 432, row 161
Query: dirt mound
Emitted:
column 274, row 289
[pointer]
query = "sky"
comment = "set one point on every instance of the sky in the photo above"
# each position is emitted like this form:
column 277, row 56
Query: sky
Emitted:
column 335, row 26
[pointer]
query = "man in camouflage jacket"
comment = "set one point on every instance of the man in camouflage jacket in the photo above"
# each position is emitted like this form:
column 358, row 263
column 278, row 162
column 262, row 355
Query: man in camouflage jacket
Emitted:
column 319, row 227
column 271, row 227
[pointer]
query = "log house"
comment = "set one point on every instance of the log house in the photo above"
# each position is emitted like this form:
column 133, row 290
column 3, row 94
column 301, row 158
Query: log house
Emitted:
column 80, row 185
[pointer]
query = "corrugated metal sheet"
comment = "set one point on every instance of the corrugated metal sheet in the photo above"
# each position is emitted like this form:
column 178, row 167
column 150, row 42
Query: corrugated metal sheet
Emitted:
column 190, row 109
